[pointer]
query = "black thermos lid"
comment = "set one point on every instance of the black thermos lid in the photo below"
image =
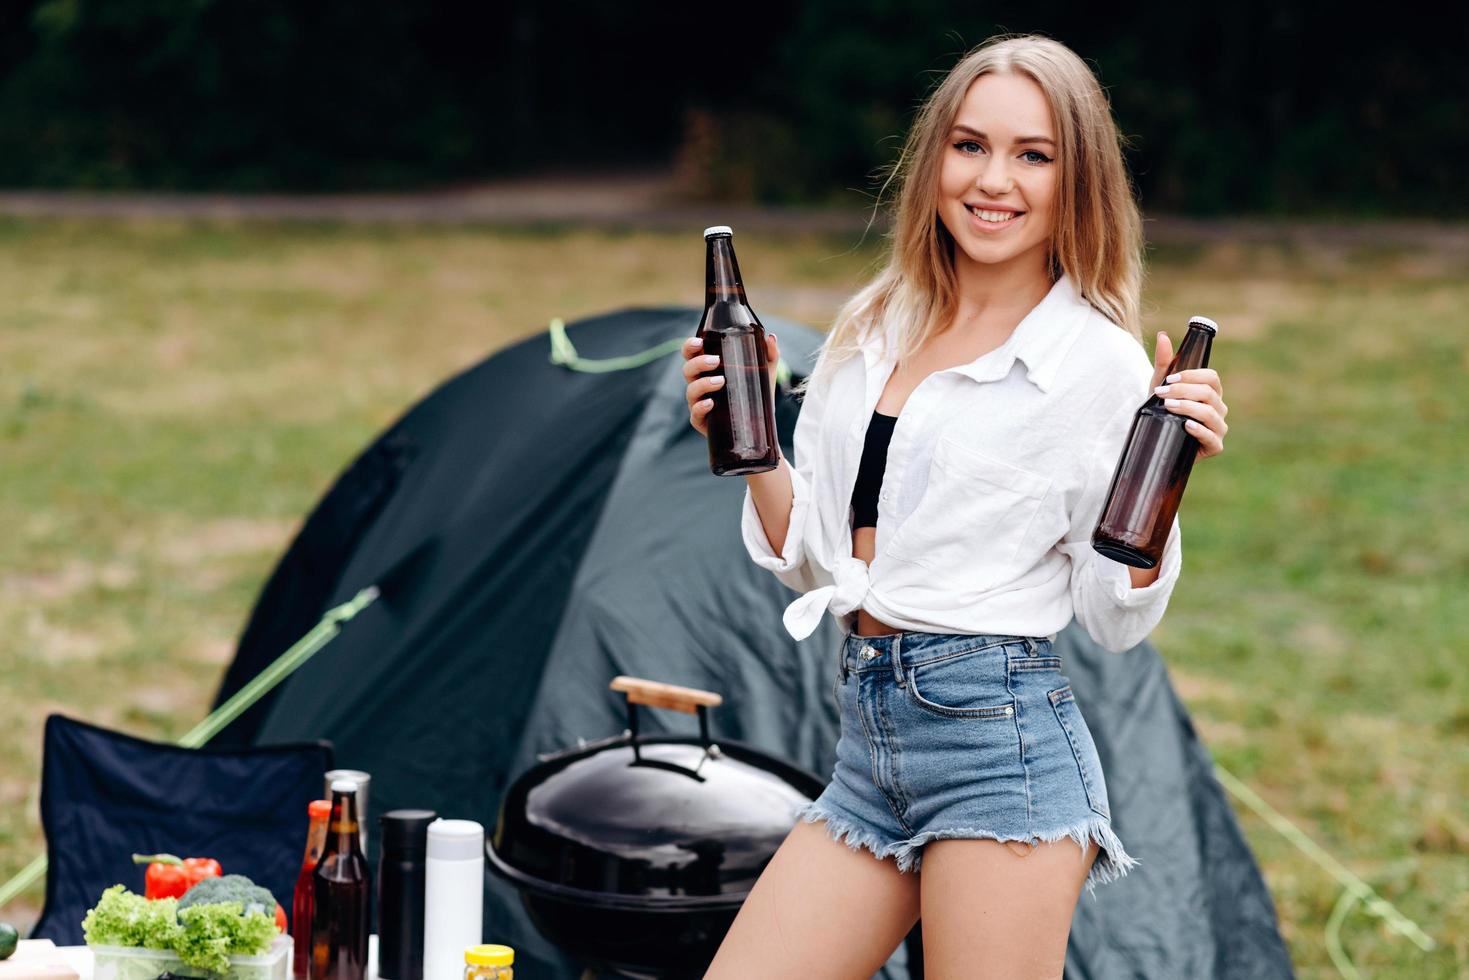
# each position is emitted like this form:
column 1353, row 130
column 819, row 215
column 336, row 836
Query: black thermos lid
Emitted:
column 405, row 832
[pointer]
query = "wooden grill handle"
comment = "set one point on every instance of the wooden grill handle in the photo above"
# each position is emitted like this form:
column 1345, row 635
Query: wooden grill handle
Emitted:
column 656, row 694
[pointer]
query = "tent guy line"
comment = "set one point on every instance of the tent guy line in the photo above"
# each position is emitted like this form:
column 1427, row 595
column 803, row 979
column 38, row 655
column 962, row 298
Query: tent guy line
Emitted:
column 564, row 354
column 218, row 719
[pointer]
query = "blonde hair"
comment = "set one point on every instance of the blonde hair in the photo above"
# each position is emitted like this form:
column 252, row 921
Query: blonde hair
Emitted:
column 1097, row 237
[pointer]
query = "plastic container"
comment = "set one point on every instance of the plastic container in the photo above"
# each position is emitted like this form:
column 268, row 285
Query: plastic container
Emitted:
column 489, row 961
column 136, row 963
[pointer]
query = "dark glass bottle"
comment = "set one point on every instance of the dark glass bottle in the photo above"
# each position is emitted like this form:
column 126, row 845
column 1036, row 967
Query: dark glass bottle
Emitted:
column 1148, row 483
column 320, row 812
column 401, row 877
column 339, row 921
column 741, row 423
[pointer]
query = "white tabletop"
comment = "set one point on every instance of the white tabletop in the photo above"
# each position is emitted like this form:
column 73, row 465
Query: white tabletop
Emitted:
column 79, row 958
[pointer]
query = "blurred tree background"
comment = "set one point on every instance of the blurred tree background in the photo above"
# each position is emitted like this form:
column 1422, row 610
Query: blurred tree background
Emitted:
column 1256, row 107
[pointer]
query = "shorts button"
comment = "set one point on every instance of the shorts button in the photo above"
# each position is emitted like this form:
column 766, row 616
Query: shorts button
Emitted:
column 1009, row 710
column 868, row 653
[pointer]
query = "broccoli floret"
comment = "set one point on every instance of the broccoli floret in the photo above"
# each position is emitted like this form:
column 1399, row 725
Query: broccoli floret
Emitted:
column 230, row 888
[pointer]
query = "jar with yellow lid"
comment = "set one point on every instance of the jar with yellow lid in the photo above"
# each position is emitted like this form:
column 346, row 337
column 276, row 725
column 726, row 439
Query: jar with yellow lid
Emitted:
column 489, row 961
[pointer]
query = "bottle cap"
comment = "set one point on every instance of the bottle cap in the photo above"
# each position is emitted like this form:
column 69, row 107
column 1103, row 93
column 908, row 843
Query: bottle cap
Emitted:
column 344, row 786
column 405, row 832
column 319, row 809
column 713, row 230
column 456, row 840
column 489, row 954
column 1204, row 321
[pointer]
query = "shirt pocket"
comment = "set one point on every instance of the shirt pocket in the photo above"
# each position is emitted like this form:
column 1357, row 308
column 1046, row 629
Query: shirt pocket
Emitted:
column 973, row 516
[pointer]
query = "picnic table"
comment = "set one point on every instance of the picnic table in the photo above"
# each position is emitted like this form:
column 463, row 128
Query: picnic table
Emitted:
column 40, row 959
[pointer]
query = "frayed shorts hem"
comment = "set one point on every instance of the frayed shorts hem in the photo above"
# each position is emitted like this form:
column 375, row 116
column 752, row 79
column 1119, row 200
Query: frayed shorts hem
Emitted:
column 1112, row 860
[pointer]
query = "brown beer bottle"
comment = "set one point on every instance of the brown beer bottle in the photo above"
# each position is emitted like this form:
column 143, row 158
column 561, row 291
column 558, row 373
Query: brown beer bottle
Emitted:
column 1147, row 485
column 340, row 913
column 741, row 422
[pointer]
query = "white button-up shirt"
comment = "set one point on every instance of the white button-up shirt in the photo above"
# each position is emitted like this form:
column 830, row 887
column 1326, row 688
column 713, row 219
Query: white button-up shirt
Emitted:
column 995, row 478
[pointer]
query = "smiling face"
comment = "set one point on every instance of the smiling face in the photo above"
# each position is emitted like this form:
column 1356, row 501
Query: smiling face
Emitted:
column 997, row 181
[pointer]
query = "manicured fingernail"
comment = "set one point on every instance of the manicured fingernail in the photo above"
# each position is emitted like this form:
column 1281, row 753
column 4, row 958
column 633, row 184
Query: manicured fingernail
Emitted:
column 717, row 381
column 707, row 402
column 1161, row 390
column 711, row 359
column 1191, row 424
column 1172, row 402
column 1171, row 378
column 697, row 342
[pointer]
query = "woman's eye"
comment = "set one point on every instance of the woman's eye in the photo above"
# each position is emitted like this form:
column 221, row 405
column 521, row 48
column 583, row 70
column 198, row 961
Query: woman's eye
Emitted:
column 1035, row 156
column 960, row 146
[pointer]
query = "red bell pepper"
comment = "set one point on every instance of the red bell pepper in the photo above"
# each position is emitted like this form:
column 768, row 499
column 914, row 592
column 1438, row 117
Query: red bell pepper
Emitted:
column 168, row 876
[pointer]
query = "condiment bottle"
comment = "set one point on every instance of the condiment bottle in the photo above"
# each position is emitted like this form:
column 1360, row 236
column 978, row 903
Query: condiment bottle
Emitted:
column 401, row 871
column 489, row 961
column 364, row 783
column 320, row 812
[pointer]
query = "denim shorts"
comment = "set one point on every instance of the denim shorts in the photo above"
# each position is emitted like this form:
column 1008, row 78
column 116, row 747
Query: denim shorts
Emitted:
column 956, row 735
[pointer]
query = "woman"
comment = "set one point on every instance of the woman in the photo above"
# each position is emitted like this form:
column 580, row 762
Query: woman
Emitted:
column 957, row 437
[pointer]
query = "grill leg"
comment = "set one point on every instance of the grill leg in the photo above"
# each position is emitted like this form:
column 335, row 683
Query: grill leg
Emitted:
column 914, row 944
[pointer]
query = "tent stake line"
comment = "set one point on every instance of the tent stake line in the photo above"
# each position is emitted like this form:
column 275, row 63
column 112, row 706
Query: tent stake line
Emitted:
column 563, row 352
column 1353, row 887
column 217, row 720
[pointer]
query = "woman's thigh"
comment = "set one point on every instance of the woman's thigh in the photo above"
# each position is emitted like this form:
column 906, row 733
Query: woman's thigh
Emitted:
column 999, row 910
column 820, row 911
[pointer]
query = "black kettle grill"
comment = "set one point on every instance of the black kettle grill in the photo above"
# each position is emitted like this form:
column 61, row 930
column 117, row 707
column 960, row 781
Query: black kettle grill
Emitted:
column 634, row 853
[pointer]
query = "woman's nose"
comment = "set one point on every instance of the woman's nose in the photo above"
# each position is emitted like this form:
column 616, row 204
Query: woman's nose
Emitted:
column 994, row 179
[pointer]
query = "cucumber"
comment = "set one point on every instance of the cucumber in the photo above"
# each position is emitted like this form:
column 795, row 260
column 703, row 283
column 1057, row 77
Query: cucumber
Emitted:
column 8, row 938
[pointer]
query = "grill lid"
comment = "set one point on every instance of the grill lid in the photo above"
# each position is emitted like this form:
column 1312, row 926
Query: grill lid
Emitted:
column 640, row 820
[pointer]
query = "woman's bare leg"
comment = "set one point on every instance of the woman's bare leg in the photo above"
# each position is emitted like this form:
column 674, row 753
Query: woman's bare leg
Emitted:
column 994, row 911
column 820, row 911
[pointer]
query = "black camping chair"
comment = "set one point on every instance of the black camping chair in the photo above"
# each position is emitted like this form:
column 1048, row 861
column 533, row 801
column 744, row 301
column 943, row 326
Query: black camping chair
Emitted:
column 106, row 796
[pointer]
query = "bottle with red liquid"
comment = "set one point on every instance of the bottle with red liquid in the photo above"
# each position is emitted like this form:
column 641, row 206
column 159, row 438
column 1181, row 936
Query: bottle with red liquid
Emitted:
column 320, row 812
column 341, row 892
column 1148, row 483
column 741, row 422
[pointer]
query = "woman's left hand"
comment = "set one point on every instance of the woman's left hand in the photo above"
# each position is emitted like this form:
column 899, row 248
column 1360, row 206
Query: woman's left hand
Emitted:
column 1198, row 394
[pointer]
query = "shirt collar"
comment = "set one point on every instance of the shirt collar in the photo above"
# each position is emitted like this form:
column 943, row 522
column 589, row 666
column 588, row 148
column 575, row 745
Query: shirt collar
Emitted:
column 1041, row 340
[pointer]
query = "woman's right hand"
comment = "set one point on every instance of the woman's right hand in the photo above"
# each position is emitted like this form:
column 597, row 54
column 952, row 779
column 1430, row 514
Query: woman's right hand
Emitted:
column 697, row 363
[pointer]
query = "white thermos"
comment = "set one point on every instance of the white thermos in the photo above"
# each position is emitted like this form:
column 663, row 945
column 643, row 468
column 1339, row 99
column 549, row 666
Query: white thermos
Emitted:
column 453, row 896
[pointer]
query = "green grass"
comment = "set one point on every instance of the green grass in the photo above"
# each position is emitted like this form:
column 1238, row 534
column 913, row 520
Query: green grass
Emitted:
column 175, row 396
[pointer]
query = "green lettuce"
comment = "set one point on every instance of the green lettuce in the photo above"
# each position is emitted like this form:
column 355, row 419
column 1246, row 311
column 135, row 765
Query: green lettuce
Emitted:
column 213, row 933
column 203, row 936
column 122, row 918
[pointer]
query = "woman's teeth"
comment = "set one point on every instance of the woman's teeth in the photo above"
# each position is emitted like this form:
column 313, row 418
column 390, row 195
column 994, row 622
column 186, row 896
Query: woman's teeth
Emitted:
column 998, row 217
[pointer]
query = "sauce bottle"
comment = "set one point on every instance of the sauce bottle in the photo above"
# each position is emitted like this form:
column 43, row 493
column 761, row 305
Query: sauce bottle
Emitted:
column 320, row 812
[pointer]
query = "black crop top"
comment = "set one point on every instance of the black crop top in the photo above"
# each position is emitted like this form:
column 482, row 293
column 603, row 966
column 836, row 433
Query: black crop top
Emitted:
column 869, row 471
